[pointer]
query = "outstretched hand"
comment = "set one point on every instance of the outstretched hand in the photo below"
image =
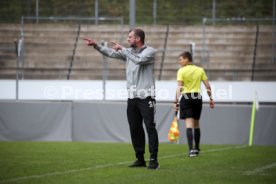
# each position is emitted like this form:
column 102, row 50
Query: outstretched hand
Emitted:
column 117, row 46
column 90, row 42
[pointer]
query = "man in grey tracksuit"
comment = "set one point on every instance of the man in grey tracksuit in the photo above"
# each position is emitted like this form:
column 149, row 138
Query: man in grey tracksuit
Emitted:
column 139, row 60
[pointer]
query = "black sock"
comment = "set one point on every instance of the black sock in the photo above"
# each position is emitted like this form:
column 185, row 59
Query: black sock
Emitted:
column 190, row 137
column 153, row 156
column 140, row 156
column 197, row 137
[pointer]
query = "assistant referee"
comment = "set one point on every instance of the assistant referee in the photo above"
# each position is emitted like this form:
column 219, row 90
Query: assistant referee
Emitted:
column 189, row 99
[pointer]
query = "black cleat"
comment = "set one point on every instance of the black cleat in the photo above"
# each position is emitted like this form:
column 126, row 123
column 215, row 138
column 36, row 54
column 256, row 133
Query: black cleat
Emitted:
column 192, row 153
column 153, row 164
column 196, row 152
column 138, row 163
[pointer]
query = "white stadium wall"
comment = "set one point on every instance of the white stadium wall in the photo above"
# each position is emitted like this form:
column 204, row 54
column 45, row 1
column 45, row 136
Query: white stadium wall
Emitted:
column 75, row 111
column 116, row 90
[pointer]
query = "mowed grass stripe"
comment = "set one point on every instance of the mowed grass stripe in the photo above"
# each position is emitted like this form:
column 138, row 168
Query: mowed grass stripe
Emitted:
column 62, row 172
column 106, row 166
column 78, row 162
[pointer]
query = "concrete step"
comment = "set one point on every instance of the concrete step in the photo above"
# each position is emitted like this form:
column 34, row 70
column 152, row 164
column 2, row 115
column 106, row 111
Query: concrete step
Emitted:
column 49, row 43
column 8, row 58
column 51, row 40
column 49, row 48
column 42, row 49
column 7, row 45
column 9, row 35
column 50, row 57
column 213, row 74
column 49, row 27
column 38, row 45
column 222, row 75
column 47, row 63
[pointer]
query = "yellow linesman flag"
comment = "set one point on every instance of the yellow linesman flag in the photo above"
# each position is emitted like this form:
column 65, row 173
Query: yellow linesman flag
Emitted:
column 173, row 134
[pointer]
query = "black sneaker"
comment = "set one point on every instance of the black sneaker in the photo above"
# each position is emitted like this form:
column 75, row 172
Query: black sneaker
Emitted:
column 192, row 153
column 153, row 164
column 138, row 163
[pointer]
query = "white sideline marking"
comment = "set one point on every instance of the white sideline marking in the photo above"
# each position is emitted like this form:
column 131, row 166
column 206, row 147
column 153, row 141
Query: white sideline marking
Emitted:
column 62, row 172
column 261, row 169
column 208, row 151
column 105, row 166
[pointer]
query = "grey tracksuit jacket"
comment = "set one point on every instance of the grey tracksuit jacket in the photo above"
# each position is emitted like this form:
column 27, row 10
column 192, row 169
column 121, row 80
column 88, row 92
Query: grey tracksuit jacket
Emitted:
column 139, row 69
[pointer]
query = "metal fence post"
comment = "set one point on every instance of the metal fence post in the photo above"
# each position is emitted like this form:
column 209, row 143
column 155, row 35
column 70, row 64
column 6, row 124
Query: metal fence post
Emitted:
column 21, row 48
column 192, row 48
column 17, row 69
column 96, row 12
column 154, row 11
column 122, row 28
column 37, row 10
column 255, row 52
column 273, row 32
column 105, row 72
column 132, row 13
column 203, row 49
column 164, row 52
column 214, row 12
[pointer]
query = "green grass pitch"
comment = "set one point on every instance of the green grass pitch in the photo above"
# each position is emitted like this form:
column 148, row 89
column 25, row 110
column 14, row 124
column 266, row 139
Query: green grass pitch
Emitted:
column 78, row 162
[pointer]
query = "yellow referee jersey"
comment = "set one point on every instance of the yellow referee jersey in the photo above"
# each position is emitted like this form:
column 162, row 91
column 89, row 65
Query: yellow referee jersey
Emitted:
column 191, row 76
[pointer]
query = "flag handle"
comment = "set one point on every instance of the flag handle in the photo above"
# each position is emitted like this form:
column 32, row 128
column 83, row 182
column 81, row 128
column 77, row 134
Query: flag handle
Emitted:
column 252, row 124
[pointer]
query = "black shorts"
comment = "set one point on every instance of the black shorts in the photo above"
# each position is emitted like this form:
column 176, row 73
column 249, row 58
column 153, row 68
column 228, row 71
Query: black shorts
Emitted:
column 190, row 106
